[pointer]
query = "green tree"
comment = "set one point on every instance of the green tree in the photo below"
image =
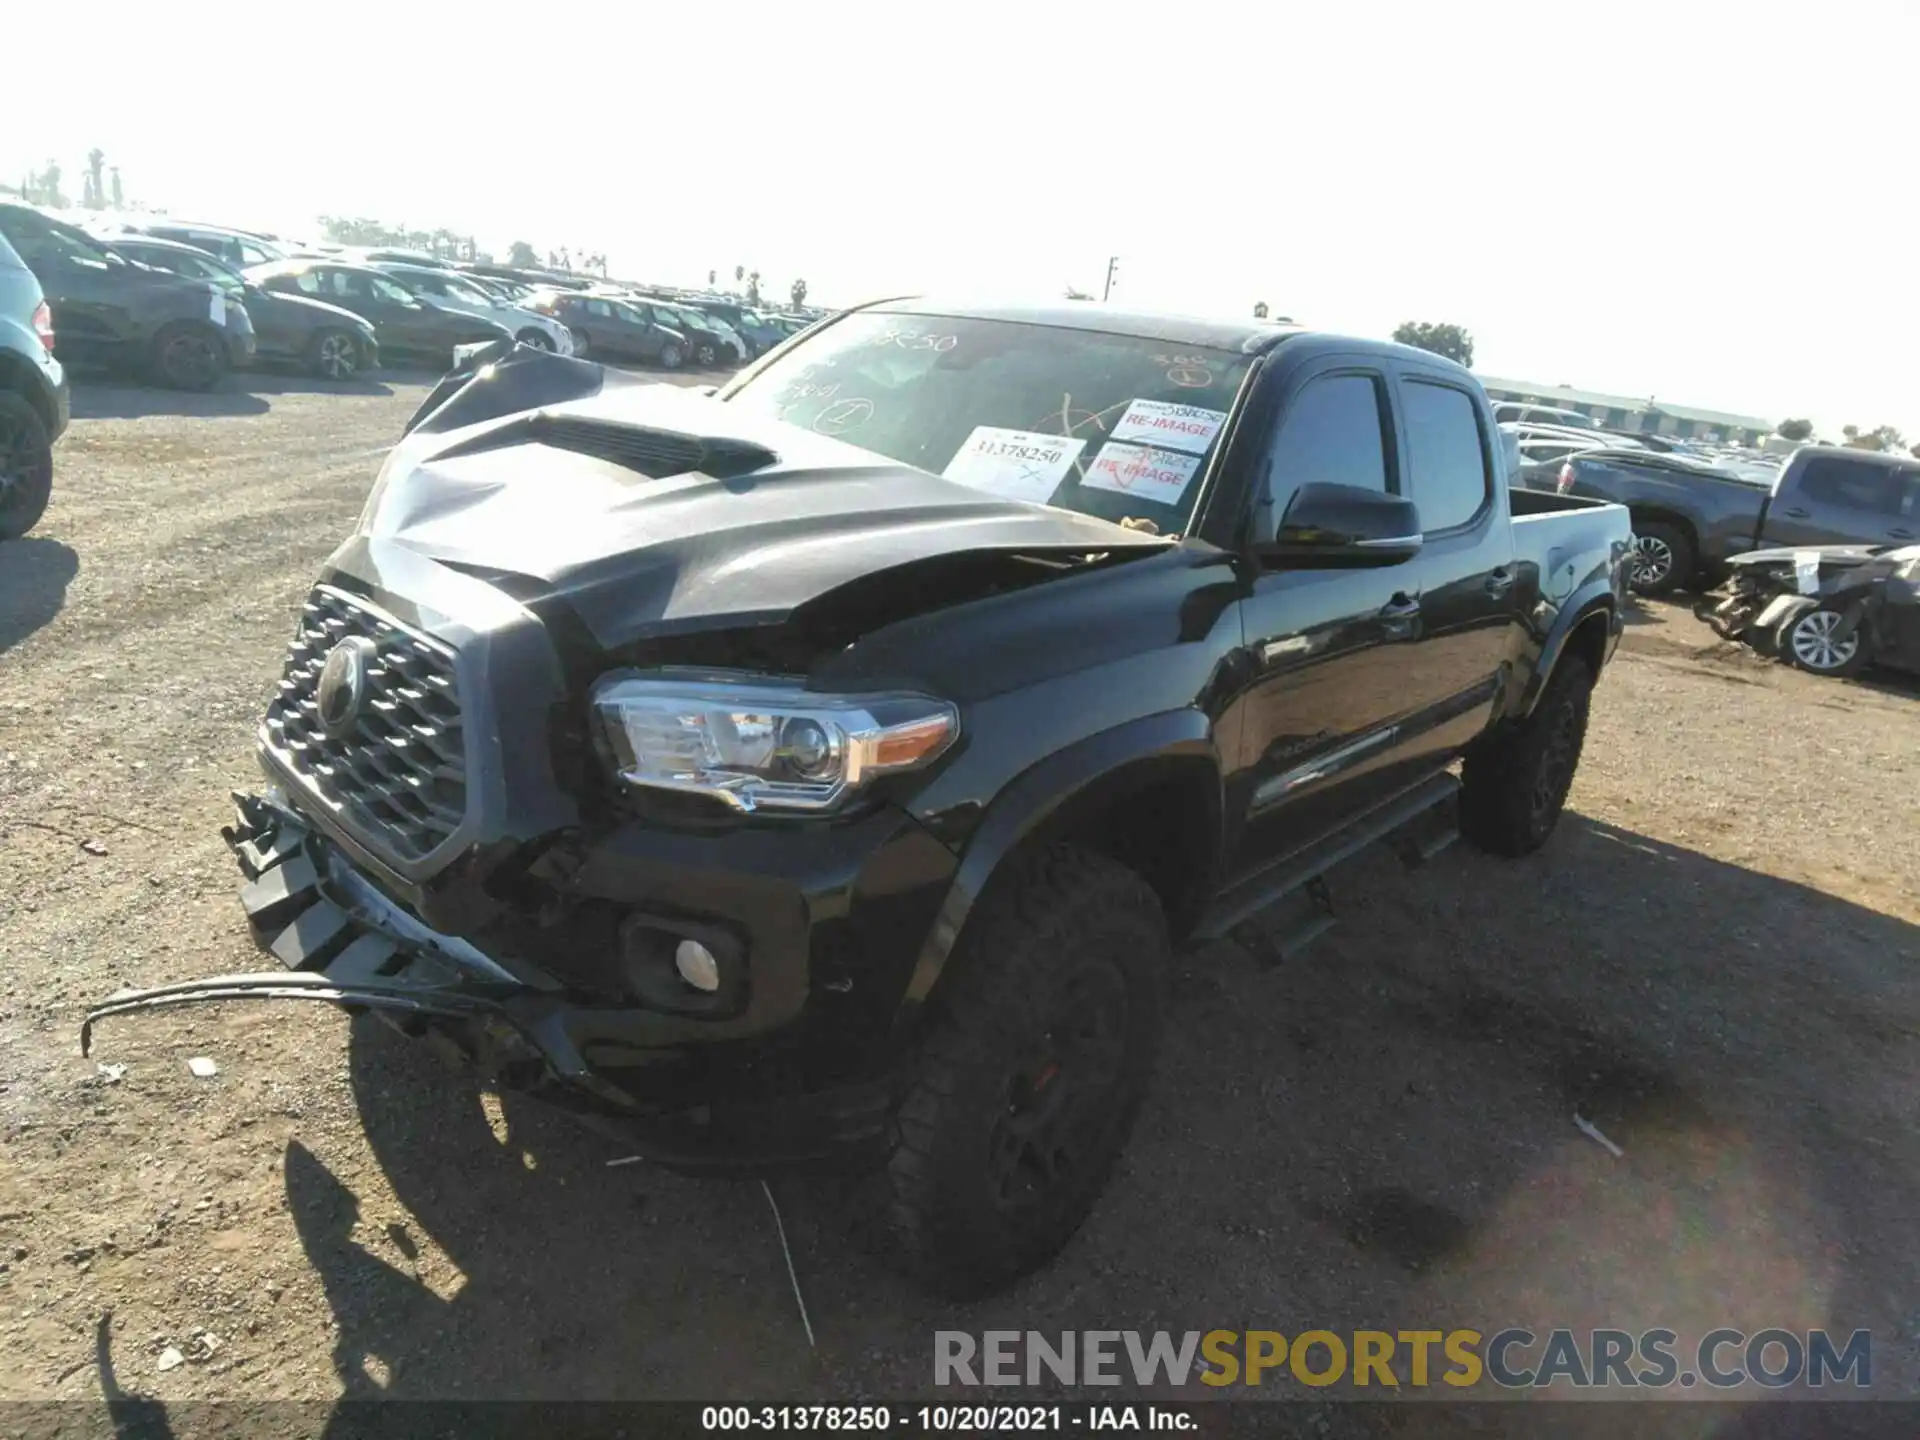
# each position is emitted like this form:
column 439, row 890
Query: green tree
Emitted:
column 522, row 255
column 753, row 288
column 1441, row 338
column 713, row 278
column 1794, row 429
column 93, row 185
column 1260, row 310
column 119, row 199
column 799, row 293
column 739, row 273
column 49, row 186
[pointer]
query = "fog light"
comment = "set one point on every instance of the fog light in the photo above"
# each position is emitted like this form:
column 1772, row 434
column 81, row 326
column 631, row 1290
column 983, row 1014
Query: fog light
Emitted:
column 697, row 965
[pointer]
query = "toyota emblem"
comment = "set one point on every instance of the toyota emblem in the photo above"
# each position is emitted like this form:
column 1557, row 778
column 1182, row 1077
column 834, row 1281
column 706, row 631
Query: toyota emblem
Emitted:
column 343, row 685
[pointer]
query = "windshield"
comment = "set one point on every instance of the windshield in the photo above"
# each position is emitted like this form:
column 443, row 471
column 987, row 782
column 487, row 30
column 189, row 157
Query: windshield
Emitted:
column 468, row 295
column 1116, row 426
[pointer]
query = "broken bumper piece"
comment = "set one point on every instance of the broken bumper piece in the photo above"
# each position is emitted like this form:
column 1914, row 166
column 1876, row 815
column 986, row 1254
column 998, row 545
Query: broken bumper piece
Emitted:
column 345, row 942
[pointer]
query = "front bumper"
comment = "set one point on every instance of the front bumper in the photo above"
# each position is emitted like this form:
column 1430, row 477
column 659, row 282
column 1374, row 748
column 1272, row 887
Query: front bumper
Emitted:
column 719, row 1107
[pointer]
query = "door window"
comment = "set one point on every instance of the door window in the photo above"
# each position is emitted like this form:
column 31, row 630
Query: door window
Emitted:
column 42, row 241
column 1331, row 433
column 385, row 291
column 599, row 309
column 1447, row 456
column 251, row 254
column 1876, row 489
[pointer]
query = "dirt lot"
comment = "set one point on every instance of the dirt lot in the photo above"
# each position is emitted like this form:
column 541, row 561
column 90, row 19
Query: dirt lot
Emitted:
column 1716, row 961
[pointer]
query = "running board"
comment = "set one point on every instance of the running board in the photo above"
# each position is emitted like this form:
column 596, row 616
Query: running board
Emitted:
column 1392, row 820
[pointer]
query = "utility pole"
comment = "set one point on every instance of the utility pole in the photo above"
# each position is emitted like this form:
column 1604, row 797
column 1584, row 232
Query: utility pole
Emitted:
column 1113, row 265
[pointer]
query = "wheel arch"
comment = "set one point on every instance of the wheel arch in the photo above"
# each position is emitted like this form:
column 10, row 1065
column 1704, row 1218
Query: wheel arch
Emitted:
column 1586, row 630
column 1146, row 794
column 20, row 378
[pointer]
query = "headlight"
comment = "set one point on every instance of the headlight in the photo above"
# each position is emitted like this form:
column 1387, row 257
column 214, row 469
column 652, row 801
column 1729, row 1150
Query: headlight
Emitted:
column 756, row 745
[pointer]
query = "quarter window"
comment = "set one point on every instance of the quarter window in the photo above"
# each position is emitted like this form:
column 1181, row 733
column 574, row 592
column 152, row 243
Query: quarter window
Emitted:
column 1873, row 488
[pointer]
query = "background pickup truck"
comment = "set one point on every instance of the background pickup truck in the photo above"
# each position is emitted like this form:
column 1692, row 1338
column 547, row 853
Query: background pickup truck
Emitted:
column 824, row 771
column 1690, row 518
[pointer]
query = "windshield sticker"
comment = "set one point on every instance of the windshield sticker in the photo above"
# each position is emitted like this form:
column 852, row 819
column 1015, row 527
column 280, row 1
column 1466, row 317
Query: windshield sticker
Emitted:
column 1013, row 464
column 1158, row 475
column 1162, row 422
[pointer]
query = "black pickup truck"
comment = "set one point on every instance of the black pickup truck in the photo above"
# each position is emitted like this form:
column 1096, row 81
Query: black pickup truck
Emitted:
column 822, row 772
column 1690, row 517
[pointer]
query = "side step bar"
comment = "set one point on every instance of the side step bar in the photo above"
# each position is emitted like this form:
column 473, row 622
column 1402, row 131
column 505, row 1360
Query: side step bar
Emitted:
column 1303, row 873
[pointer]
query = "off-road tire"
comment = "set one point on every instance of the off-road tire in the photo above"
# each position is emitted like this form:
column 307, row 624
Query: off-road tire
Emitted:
column 1515, row 781
column 1068, row 936
column 1679, row 558
column 26, row 466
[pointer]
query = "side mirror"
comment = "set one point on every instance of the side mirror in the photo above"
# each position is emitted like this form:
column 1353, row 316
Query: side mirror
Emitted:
column 1330, row 526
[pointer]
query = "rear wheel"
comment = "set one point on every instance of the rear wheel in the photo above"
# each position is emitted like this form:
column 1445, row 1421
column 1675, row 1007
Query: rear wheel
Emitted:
column 26, row 466
column 1812, row 641
column 334, row 355
column 189, row 356
column 1662, row 558
column 1026, row 1083
column 704, row 355
column 1515, row 782
column 671, row 356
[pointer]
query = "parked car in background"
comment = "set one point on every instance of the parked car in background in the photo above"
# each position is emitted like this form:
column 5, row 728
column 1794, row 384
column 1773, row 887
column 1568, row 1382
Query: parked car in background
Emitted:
column 33, row 397
column 1513, row 412
column 711, row 341
column 239, row 248
column 109, row 311
column 760, row 333
column 454, row 291
column 406, row 326
column 323, row 339
column 614, row 330
column 1691, row 517
column 1829, row 609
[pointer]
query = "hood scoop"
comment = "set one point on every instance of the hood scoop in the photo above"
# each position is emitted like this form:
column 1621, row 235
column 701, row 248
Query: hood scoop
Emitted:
column 655, row 453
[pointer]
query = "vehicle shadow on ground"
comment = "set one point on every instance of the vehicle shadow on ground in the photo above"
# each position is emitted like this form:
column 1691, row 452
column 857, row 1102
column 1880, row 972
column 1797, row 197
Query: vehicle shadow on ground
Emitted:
column 248, row 394
column 34, row 574
column 1380, row 1131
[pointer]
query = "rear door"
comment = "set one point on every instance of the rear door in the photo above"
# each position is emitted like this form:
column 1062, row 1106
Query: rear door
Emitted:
column 1837, row 500
column 1469, row 624
column 1328, row 649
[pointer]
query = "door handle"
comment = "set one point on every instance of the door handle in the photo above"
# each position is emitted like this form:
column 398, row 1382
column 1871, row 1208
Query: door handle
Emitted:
column 1499, row 581
column 1796, row 513
column 1400, row 616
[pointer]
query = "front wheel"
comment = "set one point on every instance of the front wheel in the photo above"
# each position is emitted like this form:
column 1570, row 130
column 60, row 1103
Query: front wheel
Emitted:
column 671, row 357
column 1514, row 784
column 189, row 356
column 1813, row 642
column 705, row 356
column 1025, row 1085
column 335, row 355
column 26, row 466
column 536, row 340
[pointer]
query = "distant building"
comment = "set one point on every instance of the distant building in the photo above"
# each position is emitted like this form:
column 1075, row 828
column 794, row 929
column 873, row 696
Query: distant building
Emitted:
column 1624, row 412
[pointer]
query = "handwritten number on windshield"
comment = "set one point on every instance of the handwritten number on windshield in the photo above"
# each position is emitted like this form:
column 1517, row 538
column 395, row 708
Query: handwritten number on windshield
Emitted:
column 914, row 340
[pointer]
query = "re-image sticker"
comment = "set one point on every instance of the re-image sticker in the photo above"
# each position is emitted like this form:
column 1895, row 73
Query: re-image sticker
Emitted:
column 1157, row 475
column 1162, row 422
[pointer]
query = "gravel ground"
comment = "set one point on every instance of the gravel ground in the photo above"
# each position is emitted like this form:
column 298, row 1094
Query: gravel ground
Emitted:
column 1715, row 961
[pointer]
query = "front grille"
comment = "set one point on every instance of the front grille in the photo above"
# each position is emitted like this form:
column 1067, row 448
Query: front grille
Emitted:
column 399, row 778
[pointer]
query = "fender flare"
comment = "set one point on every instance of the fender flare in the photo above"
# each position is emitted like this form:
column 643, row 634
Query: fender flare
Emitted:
column 1046, row 793
column 1595, row 598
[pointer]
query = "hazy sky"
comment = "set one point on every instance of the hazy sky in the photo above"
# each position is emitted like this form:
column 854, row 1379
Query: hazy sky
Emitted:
column 1711, row 204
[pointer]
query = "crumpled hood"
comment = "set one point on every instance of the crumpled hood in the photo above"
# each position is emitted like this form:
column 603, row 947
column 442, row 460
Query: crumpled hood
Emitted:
column 1831, row 556
column 743, row 521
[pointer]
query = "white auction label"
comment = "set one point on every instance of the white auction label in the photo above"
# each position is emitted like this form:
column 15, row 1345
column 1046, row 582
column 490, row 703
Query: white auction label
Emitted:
column 1158, row 475
column 1013, row 464
column 1161, row 422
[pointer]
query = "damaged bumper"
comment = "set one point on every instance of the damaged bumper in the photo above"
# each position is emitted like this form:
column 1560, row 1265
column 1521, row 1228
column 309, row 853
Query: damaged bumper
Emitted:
column 341, row 940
